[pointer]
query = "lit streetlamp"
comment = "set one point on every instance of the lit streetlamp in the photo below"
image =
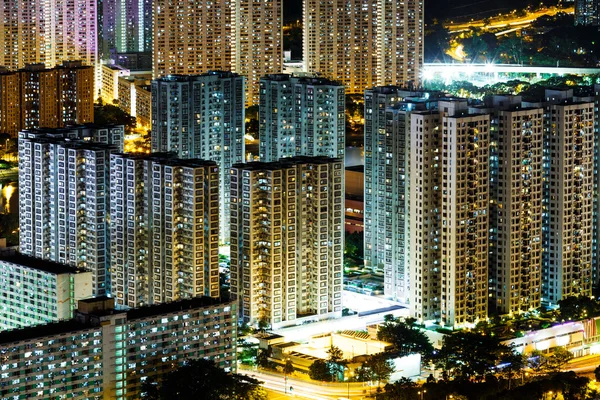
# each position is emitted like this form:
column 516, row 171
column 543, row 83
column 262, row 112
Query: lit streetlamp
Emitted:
column 421, row 393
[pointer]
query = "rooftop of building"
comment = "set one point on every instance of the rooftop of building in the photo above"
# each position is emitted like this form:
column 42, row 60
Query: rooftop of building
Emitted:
column 285, row 162
column 41, row 331
column 75, row 325
column 52, row 267
column 188, row 78
column 356, row 168
column 170, row 159
column 115, row 67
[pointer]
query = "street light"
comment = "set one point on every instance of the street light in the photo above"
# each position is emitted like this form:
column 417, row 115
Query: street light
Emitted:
column 449, row 396
column 421, row 394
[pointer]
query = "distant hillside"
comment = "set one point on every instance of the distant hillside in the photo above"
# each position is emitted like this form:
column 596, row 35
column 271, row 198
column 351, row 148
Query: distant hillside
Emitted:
column 440, row 9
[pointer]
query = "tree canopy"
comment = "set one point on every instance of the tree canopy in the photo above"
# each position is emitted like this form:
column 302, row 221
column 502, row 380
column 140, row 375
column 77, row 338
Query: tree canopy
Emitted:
column 203, row 379
column 406, row 337
column 470, row 355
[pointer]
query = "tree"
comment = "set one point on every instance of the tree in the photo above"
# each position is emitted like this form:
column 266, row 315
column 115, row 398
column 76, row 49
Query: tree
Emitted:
column 559, row 358
column 336, row 360
column 381, row 367
column 402, row 389
column 406, row 337
column 109, row 114
column 288, row 368
column 544, row 364
column 319, row 371
column 597, row 373
column 575, row 308
column 203, row 379
column 470, row 355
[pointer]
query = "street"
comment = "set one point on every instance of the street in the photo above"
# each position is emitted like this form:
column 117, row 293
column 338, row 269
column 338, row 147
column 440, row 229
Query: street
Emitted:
column 308, row 390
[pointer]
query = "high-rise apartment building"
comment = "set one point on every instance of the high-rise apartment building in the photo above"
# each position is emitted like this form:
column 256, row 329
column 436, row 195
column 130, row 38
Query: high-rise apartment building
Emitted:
column 386, row 187
column 425, row 216
column 48, row 98
column 587, row 12
column 164, row 228
column 191, row 37
column 301, row 115
column 63, row 197
column 568, row 165
column 105, row 353
column 363, row 43
column 202, row 116
column 448, row 214
column 516, row 145
column 48, row 32
column 257, row 47
column 287, row 239
column 38, row 291
column 124, row 26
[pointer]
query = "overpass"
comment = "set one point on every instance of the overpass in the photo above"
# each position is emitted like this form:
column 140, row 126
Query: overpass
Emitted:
column 483, row 74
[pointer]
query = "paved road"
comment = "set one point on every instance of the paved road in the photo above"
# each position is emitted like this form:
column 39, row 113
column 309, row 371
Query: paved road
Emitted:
column 309, row 390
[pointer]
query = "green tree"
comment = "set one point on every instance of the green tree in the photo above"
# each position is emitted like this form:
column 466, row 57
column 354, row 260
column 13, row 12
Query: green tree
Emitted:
column 319, row 371
column 288, row 368
column 406, row 337
column 203, row 379
column 470, row 355
column 402, row 389
column 381, row 367
column 575, row 308
column 110, row 114
column 336, row 360
column 558, row 359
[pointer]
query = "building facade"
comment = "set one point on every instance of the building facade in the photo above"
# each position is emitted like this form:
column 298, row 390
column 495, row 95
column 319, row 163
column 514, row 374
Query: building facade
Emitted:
column 164, row 229
column 124, row 26
column 362, row 43
column 516, row 146
column 202, row 116
column 192, row 37
column 39, row 291
column 568, row 167
column 301, row 116
column 448, row 214
column 387, row 132
column 587, row 12
column 48, row 32
column 48, row 98
column 107, row 354
column 257, row 45
column 287, row 239
column 63, row 198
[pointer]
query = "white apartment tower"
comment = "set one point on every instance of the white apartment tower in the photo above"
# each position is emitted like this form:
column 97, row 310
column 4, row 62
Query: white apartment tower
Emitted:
column 48, row 31
column 364, row 43
column 425, row 224
column 302, row 116
column 567, row 203
column 164, row 229
column 386, row 178
column 191, row 37
column 63, row 200
column 257, row 45
column 287, row 239
column 516, row 147
column 202, row 116
column 465, row 210
column 448, row 209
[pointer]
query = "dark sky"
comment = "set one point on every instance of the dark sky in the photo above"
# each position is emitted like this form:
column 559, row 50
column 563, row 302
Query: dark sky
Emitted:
column 292, row 10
